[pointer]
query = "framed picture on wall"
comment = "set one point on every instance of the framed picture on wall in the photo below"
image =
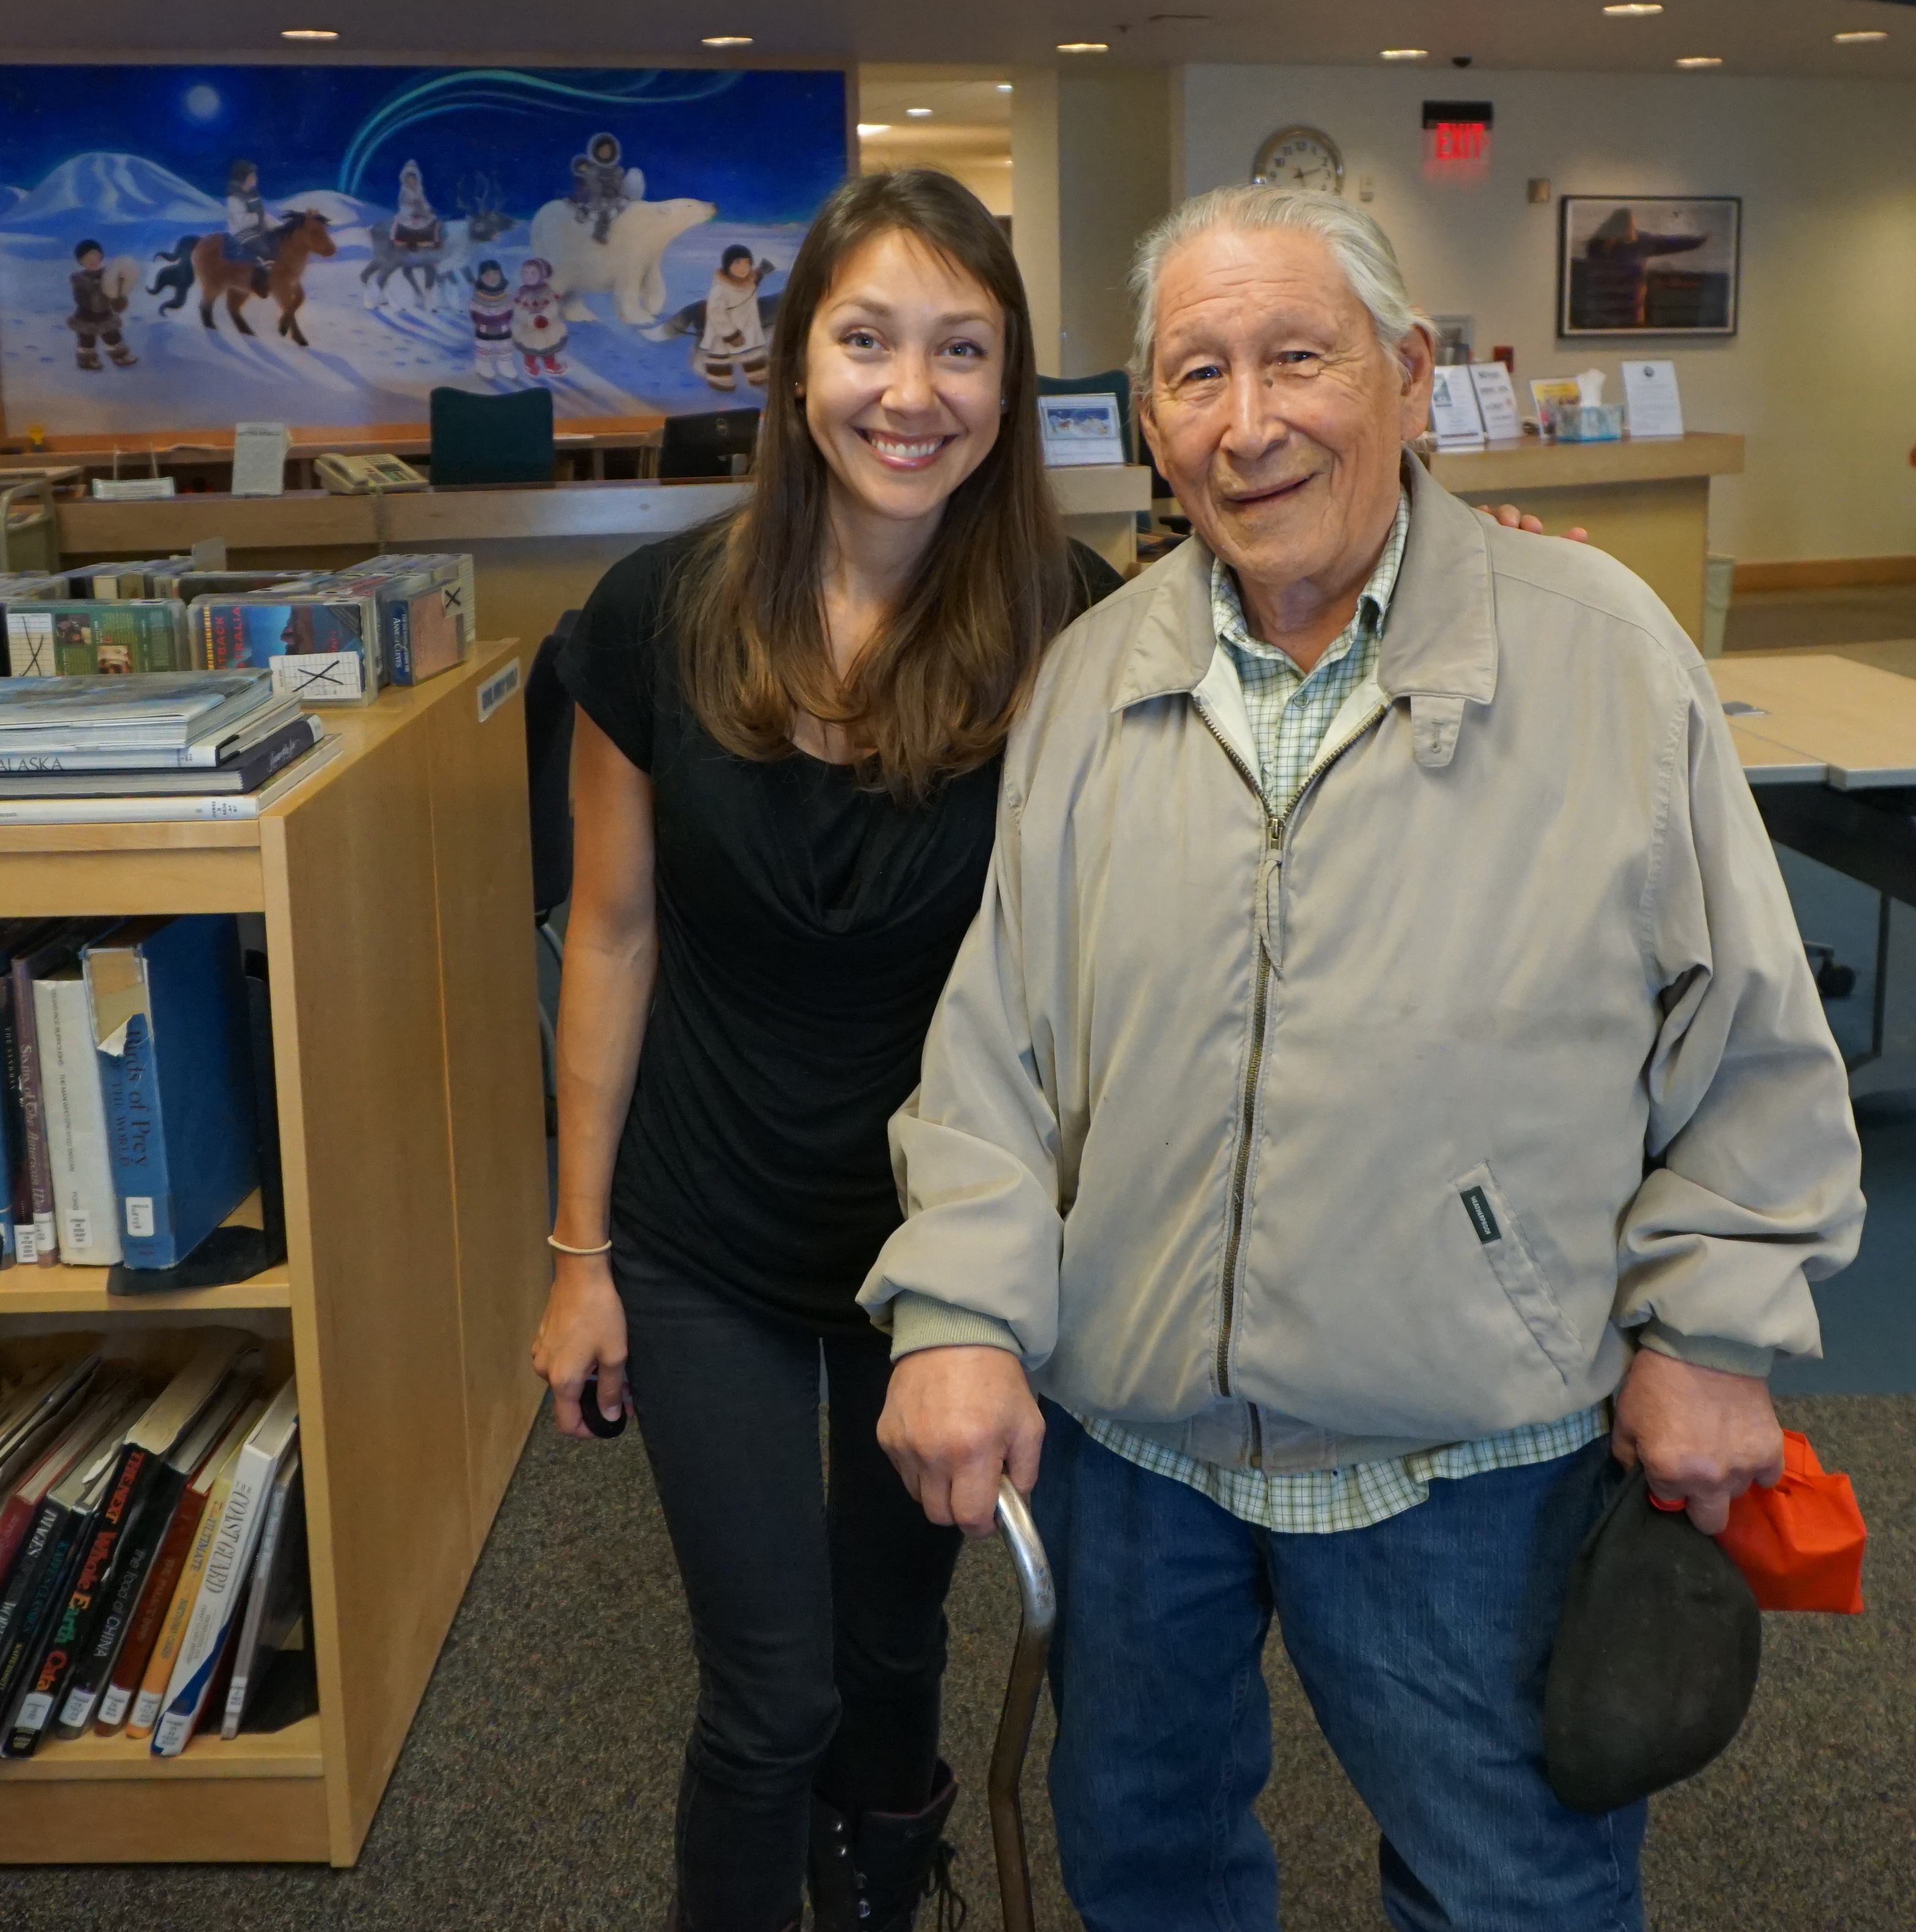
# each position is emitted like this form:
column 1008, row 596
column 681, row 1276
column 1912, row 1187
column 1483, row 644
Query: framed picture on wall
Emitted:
column 1648, row 265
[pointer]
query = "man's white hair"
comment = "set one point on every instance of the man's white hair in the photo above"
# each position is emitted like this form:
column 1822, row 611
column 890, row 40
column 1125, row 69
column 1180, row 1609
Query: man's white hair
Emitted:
column 1363, row 250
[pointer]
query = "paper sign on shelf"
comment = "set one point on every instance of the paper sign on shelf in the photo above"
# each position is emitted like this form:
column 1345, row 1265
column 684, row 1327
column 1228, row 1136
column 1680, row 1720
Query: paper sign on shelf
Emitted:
column 1497, row 401
column 259, row 459
column 1649, row 388
column 1454, row 413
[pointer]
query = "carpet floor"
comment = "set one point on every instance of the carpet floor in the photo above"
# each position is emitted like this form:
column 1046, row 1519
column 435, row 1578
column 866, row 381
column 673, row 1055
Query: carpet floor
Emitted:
column 535, row 1789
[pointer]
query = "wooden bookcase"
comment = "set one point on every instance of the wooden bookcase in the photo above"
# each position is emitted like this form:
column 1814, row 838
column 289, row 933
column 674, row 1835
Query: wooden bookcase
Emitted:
column 396, row 892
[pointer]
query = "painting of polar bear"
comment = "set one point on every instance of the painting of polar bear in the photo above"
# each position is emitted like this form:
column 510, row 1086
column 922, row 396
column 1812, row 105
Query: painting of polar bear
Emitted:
column 626, row 266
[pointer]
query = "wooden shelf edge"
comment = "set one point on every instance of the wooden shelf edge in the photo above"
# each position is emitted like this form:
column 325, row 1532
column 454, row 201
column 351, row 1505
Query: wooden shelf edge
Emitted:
column 295, row 1752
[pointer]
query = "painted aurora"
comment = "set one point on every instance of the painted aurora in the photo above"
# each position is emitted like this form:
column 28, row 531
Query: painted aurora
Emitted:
column 323, row 245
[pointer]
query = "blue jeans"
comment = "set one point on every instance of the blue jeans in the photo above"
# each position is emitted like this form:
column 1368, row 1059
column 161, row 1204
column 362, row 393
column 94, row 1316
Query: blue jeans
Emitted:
column 1421, row 1643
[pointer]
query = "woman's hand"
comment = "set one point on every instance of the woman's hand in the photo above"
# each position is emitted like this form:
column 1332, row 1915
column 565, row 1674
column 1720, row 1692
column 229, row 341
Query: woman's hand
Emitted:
column 1513, row 518
column 583, row 1335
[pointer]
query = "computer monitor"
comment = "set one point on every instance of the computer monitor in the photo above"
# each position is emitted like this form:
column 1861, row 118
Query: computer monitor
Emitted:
column 719, row 443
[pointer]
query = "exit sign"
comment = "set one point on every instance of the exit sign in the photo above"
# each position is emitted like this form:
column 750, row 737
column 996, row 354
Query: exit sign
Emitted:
column 1457, row 136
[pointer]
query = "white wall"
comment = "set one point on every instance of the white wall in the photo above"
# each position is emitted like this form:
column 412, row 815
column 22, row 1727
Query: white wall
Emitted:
column 1035, row 240
column 1821, row 379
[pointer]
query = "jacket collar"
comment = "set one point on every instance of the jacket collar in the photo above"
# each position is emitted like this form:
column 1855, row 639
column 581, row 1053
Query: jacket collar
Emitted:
column 1439, row 637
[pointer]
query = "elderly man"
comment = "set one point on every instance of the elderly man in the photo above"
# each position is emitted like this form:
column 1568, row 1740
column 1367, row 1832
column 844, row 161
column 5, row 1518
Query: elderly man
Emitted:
column 1385, row 1041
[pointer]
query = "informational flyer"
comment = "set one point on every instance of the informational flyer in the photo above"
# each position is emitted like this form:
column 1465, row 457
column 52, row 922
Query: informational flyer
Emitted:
column 259, row 459
column 1497, row 401
column 1649, row 391
column 1454, row 413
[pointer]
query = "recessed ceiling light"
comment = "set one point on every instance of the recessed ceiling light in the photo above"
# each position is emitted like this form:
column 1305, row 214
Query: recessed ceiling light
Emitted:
column 1404, row 53
column 918, row 113
column 1084, row 46
column 309, row 33
column 726, row 40
column 1635, row 9
column 1862, row 33
column 867, row 129
column 1005, row 87
column 1701, row 60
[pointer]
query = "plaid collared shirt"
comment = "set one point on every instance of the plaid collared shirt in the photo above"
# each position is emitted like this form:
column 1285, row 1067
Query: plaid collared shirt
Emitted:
column 1290, row 712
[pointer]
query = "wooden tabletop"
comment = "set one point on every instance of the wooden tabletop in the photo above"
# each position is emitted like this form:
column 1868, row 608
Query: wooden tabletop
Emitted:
column 1530, row 463
column 1858, row 720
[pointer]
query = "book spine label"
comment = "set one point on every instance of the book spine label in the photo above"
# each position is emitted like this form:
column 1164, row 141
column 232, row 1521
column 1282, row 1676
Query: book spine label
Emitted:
column 40, row 1167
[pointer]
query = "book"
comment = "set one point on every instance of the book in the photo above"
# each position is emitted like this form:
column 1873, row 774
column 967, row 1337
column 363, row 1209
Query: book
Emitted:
column 217, row 1479
column 168, row 1003
column 189, row 581
column 320, row 646
column 152, row 810
column 16, row 936
column 27, row 1604
column 463, row 598
column 153, row 1610
column 276, row 1597
column 42, row 1454
column 141, row 1543
column 105, row 637
column 244, row 773
column 419, row 601
column 255, row 1469
column 27, row 968
column 136, row 1468
column 85, row 1217
column 34, row 1660
column 225, row 745
column 163, row 712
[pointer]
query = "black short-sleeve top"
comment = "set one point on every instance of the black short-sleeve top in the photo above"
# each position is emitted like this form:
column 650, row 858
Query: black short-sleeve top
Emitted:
column 805, row 928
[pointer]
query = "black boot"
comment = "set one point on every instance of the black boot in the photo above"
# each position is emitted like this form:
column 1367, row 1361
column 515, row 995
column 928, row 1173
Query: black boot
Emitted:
column 872, row 1875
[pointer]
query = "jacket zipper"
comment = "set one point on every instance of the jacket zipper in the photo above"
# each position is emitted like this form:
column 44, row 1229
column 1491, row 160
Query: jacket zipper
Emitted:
column 1275, row 824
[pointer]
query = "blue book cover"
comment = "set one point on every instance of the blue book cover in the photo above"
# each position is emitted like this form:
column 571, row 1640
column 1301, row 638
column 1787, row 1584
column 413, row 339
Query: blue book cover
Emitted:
column 169, row 1018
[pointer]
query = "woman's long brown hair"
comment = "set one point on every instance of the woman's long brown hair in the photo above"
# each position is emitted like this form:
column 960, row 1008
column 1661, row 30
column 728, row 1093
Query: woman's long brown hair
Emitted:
column 935, row 690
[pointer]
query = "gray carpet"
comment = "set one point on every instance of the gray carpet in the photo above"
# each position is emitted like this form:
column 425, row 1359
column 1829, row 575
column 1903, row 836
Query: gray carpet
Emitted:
column 535, row 1790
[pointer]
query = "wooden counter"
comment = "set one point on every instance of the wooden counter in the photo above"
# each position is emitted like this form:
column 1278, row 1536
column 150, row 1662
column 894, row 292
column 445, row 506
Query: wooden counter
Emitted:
column 1647, row 503
column 537, row 552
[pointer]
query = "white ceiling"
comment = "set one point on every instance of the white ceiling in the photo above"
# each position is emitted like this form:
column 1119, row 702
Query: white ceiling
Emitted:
column 1760, row 37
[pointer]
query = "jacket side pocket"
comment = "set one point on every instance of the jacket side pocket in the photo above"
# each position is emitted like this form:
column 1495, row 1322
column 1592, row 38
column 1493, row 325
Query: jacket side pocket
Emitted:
column 1508, row 1256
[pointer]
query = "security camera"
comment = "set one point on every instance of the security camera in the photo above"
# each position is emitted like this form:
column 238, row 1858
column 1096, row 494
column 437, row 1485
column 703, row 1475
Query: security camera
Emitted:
column 1459, row 60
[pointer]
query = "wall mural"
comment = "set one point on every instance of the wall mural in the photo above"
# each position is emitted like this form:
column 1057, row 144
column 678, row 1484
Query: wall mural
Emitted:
column 186, row 248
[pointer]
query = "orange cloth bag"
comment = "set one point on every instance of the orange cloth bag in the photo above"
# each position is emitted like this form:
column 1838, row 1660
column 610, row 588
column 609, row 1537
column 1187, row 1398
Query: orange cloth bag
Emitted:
column 1800, row 1544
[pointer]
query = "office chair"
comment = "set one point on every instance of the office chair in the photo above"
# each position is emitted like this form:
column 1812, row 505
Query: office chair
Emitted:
column 491, row 439
column 548, row 710
column 718, row 442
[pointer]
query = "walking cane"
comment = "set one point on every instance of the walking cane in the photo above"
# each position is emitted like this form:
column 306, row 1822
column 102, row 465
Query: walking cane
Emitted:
column 1040, row 1606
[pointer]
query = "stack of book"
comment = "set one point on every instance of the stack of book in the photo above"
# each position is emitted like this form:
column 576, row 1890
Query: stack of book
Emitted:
column 192, row 745
column 128, row 1107
column 152, row 1552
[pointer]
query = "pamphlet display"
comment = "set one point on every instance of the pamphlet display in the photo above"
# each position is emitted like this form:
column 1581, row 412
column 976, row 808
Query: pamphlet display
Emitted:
column 1656, row 409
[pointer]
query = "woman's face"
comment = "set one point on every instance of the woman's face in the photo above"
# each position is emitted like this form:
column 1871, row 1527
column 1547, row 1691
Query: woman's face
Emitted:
column 904, row 378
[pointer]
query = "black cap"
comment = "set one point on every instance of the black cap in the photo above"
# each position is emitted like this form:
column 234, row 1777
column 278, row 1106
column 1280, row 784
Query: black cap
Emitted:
column 1655, row 1657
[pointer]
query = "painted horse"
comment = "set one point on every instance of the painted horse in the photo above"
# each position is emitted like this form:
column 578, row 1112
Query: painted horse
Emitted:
column 302, row 234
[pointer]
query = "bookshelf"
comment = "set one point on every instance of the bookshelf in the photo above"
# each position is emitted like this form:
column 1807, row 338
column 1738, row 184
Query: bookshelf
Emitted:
column 396, row 890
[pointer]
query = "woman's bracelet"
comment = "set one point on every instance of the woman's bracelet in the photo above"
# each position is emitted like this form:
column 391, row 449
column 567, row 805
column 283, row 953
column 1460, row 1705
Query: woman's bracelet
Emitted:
column 553, row 1241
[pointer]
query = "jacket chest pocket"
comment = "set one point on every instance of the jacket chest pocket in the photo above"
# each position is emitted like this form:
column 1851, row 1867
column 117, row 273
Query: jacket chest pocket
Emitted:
column 1508, row 1256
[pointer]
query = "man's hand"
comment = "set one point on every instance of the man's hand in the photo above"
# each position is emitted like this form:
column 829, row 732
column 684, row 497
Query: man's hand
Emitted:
column 955, row 1421
column 1702, row 1435
column 1512, row 518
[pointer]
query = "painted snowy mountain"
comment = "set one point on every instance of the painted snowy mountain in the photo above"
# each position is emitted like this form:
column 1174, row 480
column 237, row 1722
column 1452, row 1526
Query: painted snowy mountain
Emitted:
column 104, row 188
column 10, row 198
column 341, row 210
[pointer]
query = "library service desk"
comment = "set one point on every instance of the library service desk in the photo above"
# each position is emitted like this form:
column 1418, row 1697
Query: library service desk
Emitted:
column 396, row 886
column 1647, row 502
column 536, row 552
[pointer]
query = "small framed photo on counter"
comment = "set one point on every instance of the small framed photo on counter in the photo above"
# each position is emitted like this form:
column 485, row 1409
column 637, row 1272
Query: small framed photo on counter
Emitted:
column 1649, row 264
column 1080, row 430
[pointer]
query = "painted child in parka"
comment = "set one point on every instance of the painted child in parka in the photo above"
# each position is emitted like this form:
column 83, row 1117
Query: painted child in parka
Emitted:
column 492, row 310
column 734, row 334
column 538, row 326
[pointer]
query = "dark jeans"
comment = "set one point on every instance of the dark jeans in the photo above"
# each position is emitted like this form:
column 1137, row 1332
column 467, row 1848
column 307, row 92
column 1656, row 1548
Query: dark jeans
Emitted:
column 819, row 1621
column 1421, row 1643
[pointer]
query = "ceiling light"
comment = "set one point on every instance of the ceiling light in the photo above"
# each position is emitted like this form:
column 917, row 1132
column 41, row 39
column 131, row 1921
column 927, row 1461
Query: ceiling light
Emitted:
column 1862, row 33
column 1635, row 9
column 309, row 33
column 1701, row 60
column 918, row 113
column 867, row 129
column 1405, row 53
column 1005, row 87
column 726, row 40
column 1084, row 46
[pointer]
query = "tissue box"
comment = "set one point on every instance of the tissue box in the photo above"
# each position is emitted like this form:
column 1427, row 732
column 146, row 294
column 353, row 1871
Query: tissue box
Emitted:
column 1588, row 422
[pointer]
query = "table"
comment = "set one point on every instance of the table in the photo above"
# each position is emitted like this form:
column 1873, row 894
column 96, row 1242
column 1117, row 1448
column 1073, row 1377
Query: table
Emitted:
column 1647, row 502
column 1853, row 726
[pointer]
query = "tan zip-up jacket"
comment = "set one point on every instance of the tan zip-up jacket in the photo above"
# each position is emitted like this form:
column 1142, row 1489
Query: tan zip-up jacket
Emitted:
column 1378, row 1121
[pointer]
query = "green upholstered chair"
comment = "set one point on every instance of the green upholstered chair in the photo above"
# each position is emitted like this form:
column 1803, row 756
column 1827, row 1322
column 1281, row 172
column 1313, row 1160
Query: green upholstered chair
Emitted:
column 491, row 439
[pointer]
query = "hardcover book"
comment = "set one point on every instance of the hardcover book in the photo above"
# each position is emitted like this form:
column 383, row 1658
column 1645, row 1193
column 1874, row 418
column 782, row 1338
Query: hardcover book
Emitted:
column 165, row 712
column 85, row 1220
column 320, row 647
column 100, row 636
column 170, row 1023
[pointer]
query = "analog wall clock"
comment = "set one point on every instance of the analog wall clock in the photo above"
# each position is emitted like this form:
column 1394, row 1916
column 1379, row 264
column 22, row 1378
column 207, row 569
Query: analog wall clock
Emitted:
column 1299, row 157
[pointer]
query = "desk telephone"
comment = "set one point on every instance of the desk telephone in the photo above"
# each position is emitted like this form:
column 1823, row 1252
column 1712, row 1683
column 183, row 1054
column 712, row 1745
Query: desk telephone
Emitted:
column 366, row 476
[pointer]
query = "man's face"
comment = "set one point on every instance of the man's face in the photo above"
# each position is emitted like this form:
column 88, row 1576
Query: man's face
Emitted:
column 1273, row 411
